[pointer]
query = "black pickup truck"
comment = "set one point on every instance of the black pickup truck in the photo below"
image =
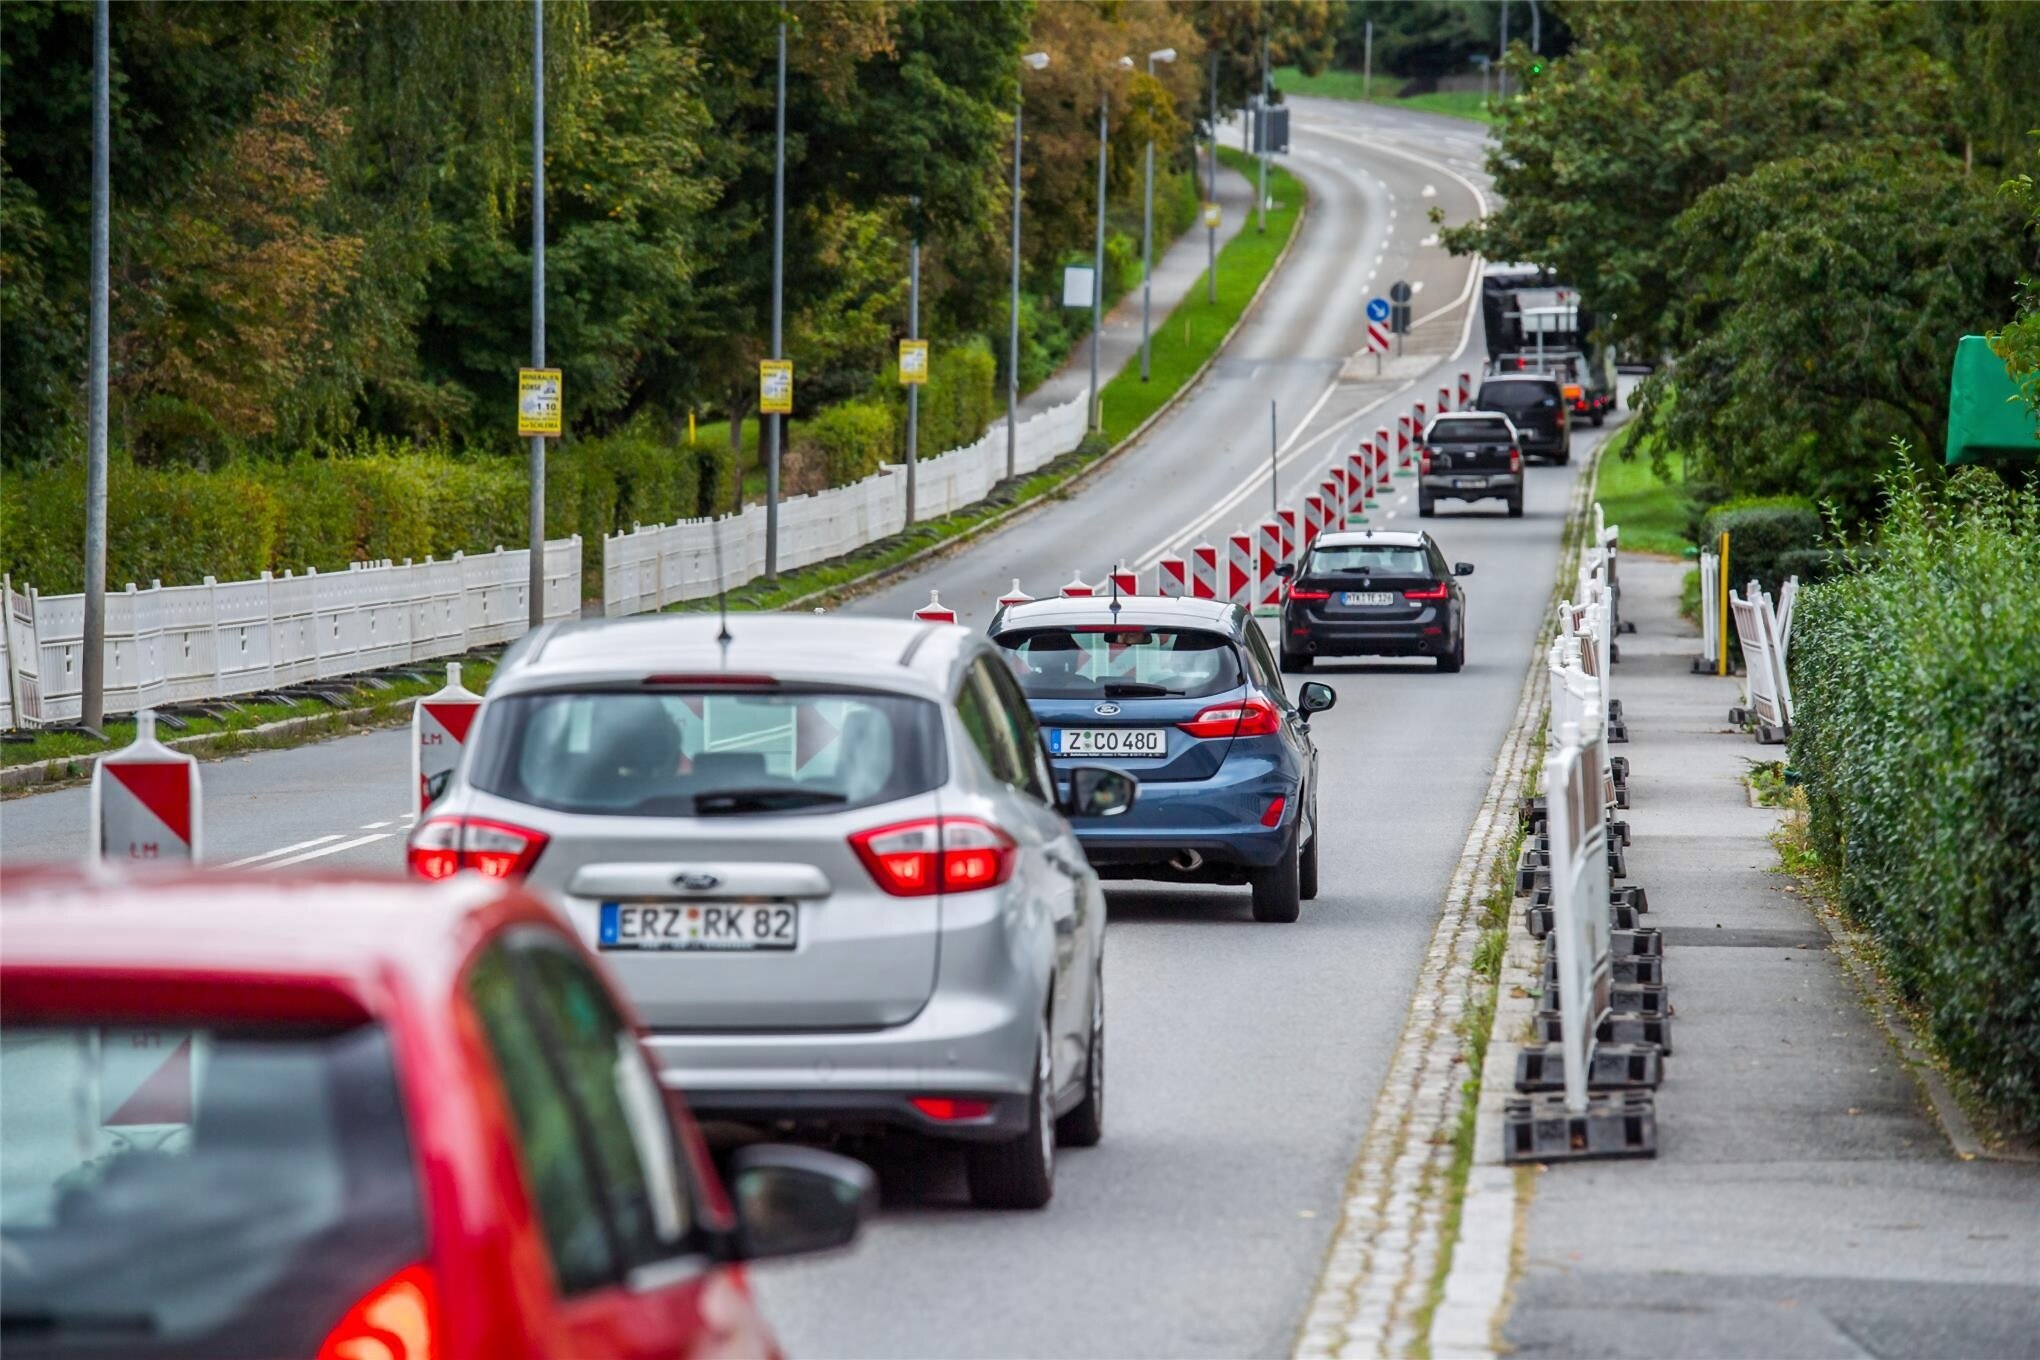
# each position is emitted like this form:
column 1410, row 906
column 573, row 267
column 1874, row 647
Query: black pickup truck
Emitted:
column 1469, row 456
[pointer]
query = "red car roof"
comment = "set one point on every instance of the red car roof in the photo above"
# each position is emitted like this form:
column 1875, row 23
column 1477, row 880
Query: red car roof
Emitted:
column 343, row 934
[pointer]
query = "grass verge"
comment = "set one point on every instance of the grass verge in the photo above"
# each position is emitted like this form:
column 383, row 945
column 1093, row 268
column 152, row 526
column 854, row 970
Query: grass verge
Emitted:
column 1652, row 510
column 1183, row 341
column 366, row 705
column 1334, row 84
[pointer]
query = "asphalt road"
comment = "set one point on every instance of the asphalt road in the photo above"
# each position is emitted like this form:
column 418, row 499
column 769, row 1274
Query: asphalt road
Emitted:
column 1244, row 1057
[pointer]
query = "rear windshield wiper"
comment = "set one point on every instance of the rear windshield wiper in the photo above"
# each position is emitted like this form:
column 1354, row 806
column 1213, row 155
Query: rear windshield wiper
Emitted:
column 1138, row 689
column 762, row 800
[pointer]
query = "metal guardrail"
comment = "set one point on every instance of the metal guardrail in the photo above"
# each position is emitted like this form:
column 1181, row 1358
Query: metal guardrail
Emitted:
column 168, row 645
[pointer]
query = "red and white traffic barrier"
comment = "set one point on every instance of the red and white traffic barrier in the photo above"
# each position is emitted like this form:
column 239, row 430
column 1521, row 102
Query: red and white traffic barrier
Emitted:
column 1127, row 582
column 1016, row 595
column 1269, row 538
column 1204, row 572
column 1316, row 514
column 1444, row 400
column 1239, row 567
column 1359, row 467
column 1172, row 577
column 1077, row 589
column 439, row 730
column 1465, row 389
column 1418, row 424
column 1383, row 480
column 1286, row 517
column 145, row 806
column 1402, row 440
column 1333, row 490
column 935, row 611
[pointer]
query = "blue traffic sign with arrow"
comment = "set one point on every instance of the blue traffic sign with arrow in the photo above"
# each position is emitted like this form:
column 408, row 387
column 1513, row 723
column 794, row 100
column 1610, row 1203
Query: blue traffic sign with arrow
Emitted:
column 1377, row 309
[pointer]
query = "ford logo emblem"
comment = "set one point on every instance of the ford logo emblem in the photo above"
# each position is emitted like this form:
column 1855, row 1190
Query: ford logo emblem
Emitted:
column 1106, row 710
column 696, row 882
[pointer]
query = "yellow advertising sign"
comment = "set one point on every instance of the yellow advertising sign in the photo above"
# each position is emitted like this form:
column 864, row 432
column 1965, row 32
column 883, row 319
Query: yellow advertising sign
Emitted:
column 539, row 401
column 1212, row 217
column 913, row 362
column 775, row 387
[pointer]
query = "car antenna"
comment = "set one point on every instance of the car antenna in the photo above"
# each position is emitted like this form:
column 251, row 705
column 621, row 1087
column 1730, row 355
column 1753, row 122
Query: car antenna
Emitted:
column 722, row 592
column 1115, row 590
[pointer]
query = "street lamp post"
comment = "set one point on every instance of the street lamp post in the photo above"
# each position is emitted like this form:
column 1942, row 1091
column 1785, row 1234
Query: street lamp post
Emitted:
column 772, row 422
column 92, row 676
column 1033, row 61
column 536, row 578
column 1147, row 227
column 1098, row 256
column 1211, row 227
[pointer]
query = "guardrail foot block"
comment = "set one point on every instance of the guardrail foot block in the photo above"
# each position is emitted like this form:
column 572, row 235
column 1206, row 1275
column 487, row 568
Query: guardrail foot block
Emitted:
column 1631, row 998
column 1614, row 1067
column 1541, row 1129
column 1537, row 920
column 1768, row 735
column 1644, row 942
column 1618, row 1027
column 1624, row 970
column 1738, row 716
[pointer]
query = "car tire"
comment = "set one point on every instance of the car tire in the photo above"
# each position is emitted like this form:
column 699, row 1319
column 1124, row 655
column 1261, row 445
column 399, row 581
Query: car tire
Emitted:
column 1455, row 662
column 1599, row 418
column 1307, row 867
column 1516, row 507
column 1564, row 457
column 1278, row 889
column 1425, row 505
column 1084, row 1125
column 1020, row 1172
column 1292, row 662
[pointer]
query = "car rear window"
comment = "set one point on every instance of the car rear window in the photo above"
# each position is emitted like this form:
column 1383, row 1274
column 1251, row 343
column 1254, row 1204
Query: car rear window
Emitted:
column 1470, row 432
column 179, row 1191
column 1516, row 396
column 715, row 753
column 1096, row 663
column 1379, row 559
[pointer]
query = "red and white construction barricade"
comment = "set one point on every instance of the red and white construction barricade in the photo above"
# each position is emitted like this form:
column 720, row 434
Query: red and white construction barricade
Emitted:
column 1077, row 589
column 145, row 805
column 1316, row 515
column 1465, row 389
column 1125, row 582
column 1239, row 567
column 1269, row 537
column 1333, row 489
column 1292, row 538
column 1015, row 596
column 935, row 611
column 1402, row 440
column 1172, row 577
column 1445, row 400
column 1204, row 573
column 439, row 730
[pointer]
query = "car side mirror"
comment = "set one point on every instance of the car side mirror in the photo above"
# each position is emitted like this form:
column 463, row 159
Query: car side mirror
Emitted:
column 1316, row 697
column 1286, row 570
column 1462, row 568
column 791, row 1201
column 1096, row 791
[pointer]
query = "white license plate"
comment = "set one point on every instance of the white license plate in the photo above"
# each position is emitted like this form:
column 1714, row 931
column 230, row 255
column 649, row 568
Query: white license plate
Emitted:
column 735, row 926
column 1132, row 743
column 1375, row 598
column 1470, row 483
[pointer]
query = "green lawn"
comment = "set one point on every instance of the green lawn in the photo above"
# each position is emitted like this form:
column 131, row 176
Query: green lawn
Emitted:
column 1651, row 510
column 1333, row 84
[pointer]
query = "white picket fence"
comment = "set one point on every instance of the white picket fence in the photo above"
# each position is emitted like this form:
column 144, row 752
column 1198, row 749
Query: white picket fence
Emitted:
column 653, row 566
column 183, row 644
column 1765, row 631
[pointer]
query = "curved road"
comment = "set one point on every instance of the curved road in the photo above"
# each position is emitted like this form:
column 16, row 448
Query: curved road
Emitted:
column 1244, row 1058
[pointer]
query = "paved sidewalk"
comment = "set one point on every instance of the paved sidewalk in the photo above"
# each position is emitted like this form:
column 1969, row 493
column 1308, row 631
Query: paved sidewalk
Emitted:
column 1177, row 271
column 1804, row 1201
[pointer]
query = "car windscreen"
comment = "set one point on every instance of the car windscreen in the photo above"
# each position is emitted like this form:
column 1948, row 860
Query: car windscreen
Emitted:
column 710, row 753
column 197, row 1191
column 1107, row 662
column 1470, row 432
column 1516, row 396
column 1375, row 559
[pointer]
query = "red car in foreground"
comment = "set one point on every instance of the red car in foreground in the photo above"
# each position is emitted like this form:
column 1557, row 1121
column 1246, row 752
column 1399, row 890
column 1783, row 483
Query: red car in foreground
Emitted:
column 359, row 1119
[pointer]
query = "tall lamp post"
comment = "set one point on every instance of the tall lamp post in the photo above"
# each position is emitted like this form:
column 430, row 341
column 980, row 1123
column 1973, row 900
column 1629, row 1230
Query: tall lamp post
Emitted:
column 1033, row 61
column 92, row 677
column 536, row 586
column 1098, row 254
column 1211, row 227
column 1147, row 227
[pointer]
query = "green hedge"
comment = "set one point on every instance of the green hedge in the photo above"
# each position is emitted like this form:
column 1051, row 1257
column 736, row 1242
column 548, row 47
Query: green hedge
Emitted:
column 1770, row 538
column 958, row 402
column 1916, row 681
column 846, row 442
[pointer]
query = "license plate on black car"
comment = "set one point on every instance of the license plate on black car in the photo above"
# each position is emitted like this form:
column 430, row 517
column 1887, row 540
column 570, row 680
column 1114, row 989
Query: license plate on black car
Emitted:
column 699, row 926
column 1371, row 598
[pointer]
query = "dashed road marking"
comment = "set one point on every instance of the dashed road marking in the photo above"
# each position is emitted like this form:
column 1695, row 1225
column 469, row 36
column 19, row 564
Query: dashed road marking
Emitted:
column 325, row 850
column 271, row 854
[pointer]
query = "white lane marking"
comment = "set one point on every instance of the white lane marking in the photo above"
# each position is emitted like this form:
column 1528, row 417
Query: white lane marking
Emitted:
column 331, row 849
column 1417, row 287
column 373, row 826
column 1430, row 191
column 271, row 854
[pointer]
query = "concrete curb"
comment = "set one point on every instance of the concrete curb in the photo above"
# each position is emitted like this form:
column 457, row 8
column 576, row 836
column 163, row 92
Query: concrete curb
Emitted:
column 907, row 566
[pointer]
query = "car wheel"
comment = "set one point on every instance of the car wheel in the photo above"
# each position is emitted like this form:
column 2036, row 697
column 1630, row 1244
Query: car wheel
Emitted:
column 1307, row 867
column 1424, row 506
column 1516, row 506
column 1564, row 457
column 1599, row 418
column 1020, row 1173
column 1084, row 1125
column 1278, row 889
column 1292, row 662
column 1452, row 664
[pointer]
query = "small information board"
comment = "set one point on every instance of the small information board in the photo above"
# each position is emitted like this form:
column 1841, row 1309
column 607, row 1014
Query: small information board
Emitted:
column 913, row 362
column 775, row 387
column 1077, row 281
column 539, row 402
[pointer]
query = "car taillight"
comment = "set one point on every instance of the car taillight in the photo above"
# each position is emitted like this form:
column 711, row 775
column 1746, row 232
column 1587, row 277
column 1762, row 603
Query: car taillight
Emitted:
column 1273, row 816
column 1242, row 718
column 1299, row 593
column 443, row 846
column 1436, row 592
column 1424, row 459
column 393, row 1321
column 936, row 854
column 1515, row 460
column 950, row 1108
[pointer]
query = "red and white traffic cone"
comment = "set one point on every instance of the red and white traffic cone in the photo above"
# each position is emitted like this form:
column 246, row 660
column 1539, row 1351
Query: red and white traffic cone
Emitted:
column 145, row 805
column 935, row 611
column 439, row 728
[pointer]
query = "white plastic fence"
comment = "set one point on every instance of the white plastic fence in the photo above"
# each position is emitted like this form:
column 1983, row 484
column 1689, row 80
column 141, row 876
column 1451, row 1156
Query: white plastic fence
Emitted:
column 656, row 565
column 1710, row 607
column 182, row 644
column 1764, row 629
column 1576, row 830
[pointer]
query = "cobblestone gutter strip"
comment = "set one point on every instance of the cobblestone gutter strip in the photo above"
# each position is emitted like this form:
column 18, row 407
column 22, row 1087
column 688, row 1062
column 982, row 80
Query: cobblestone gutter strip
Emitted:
column 1375, row 1294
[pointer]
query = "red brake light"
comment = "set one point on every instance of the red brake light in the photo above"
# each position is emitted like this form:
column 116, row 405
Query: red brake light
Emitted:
column 1241, row 718
column 396, row 1320
column 1273, row 816
column 442, row 846
column 948, row 1108
column 936, row 854
column 1436, row 592
column 1424, row 460
column 1515, row 460
column 1298, row 593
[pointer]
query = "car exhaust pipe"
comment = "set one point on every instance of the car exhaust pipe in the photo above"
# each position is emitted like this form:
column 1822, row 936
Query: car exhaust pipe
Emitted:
column 1187, row 862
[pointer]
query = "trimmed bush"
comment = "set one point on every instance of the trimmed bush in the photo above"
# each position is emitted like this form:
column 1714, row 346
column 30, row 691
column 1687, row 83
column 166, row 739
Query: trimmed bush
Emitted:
column 1916, row 681
column 847, row 441
column 1762, row 531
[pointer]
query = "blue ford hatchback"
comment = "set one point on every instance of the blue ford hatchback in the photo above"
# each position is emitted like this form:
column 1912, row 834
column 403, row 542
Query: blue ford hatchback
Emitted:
column 1186, row 696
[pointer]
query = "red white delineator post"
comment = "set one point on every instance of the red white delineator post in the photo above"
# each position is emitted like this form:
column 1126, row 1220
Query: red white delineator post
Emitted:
column 145, row 805
column 1239, row 567
column 1333, row 489
column 1172, row 577
column 935, row 611
column 1204, row 572
column 1291, row 540
column 1269, row 538
column 144, row 1082
column 1418, row 424
column 1383, row 482
column 1077, row 589
column 1316, row 515
column 1465, row 389
column 1127, row 581
column 1016, row 595
column 439, row 730
column 1444, row 400
column 1359, row 470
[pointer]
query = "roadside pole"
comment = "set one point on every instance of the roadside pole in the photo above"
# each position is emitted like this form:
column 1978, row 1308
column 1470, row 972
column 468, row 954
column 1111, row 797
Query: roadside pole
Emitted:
column 1033, row 61
column 1261, row 139
column 913, row 388
column 92, row 671
column 1274, row 465
column 1211, row 221
column 1367, row 66
column 1147, row 226
column 1097, row 411
column 536, row 541
column 771, row 422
